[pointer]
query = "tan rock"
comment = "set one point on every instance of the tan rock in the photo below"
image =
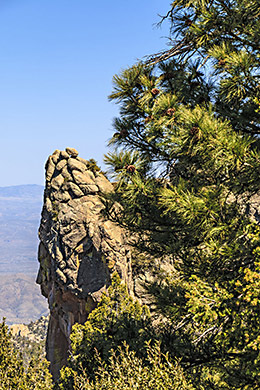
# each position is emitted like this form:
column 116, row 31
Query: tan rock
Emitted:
column 78, row 249
column 83, row 178
column 65, row 173
column 20, row 330
column 76, row 191
column 48, row 205
column 57, row 182
column 50, row 168
column 61, row 196
column 82, row 160
column 64, row 154
column 74, row 164
column 56, row 156
column 60, row 275
column 58, row 254
column 88, row 188
column 72, row 152
column 103, row 184
column 61, row 164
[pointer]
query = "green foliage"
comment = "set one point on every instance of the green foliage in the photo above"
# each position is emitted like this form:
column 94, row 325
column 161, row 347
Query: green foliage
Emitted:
column 92, row 165
column 13, row 374
column 118, row 317
column 30, row 349
column 111, row 349
column 126, row 371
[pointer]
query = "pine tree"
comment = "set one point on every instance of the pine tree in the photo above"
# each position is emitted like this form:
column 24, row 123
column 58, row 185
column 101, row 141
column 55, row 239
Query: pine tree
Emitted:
column 186, row 163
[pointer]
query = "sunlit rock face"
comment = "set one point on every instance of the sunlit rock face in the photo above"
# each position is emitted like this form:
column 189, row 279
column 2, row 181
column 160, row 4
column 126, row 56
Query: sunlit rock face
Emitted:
column 78, row 250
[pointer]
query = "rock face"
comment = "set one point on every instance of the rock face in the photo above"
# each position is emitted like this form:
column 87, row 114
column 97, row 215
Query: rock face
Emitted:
column 78, row 249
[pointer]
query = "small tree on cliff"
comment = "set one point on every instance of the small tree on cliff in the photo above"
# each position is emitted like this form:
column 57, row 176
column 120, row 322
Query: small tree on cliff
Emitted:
column 187, row 162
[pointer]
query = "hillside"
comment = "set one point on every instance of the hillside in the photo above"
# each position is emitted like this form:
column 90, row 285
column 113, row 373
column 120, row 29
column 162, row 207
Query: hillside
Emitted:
column 30, row 339
column 20, row 299
column 20, row 210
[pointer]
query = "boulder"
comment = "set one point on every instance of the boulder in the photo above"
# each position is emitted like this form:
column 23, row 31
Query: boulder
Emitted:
column 72, row 152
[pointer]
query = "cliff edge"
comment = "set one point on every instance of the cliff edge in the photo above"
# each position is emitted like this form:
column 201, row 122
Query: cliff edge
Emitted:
column 78, row 250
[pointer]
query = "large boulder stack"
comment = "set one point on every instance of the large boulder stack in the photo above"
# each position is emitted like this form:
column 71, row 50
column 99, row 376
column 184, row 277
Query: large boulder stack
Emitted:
column 78, row 248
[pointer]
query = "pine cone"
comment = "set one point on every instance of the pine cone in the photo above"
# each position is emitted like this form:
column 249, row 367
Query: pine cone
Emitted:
column 170, row 111
column 123, row 133
column 130, row 168
column 139, row 86
column 188, row 22
column 148, row 119
column 155, row 92
column 221, row 62
column 168, row 75
column 194, row 131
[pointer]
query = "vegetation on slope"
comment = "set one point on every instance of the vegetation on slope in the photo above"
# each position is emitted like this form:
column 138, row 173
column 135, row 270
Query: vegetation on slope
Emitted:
column 30, row 339
column 117, row 347
column 13, row 372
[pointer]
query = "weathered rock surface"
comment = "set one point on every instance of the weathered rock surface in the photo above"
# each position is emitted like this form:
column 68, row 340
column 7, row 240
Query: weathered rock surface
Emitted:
column 78, row 249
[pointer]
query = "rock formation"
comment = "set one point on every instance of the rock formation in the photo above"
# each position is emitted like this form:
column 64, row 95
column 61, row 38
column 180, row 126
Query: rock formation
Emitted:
column 78, row 248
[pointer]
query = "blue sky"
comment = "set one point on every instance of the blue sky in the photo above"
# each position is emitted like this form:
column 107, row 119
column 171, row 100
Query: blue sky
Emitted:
column 58, row 58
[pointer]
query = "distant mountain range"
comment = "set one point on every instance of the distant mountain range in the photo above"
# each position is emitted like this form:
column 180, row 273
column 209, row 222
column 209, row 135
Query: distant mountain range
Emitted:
column 29, row 191
column 20, row 299
column 20, row 212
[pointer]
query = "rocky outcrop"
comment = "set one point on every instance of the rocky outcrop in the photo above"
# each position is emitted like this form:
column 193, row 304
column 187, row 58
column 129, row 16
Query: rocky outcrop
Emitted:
column 78, row 248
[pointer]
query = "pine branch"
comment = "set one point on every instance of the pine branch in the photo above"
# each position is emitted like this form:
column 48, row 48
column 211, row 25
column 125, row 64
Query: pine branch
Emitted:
column 179, row 48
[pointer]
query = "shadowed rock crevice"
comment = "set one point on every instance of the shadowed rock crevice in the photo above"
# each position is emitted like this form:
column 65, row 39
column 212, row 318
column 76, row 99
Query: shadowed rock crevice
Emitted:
column 78, row 249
